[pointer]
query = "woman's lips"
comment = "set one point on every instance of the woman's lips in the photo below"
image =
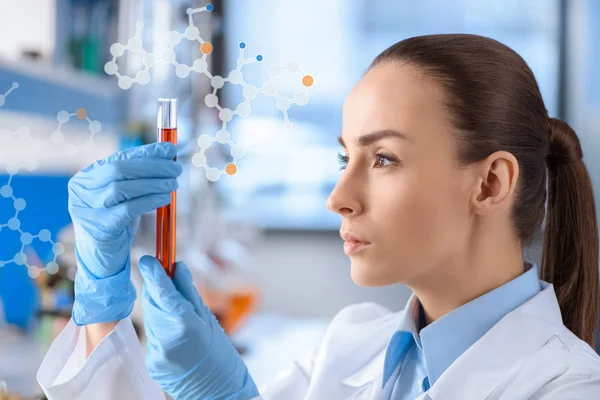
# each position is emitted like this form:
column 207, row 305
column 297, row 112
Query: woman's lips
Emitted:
column 353, row 246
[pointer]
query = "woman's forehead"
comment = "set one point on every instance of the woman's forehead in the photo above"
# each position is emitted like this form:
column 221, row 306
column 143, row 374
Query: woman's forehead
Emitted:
column 394, row 97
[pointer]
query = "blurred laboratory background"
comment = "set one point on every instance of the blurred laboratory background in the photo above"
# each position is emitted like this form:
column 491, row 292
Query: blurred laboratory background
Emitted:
column 265, row 251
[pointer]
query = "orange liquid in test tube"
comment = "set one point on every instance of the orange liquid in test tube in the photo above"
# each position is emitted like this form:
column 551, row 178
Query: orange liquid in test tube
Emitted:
column 166, row 216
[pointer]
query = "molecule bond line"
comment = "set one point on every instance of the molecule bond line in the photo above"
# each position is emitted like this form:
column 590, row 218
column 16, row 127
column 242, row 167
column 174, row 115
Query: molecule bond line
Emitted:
column 217, row 82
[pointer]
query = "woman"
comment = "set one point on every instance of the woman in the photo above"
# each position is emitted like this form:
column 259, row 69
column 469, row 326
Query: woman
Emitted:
column 449, row 159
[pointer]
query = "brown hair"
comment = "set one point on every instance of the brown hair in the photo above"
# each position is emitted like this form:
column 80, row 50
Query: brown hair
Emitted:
column 495, row 104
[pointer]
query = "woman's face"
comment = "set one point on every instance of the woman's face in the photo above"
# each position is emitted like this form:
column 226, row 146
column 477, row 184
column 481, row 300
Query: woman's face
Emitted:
column 401, row 190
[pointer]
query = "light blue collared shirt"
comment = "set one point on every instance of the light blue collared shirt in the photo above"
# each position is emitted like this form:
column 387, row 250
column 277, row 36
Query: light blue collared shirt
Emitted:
column 416, row 359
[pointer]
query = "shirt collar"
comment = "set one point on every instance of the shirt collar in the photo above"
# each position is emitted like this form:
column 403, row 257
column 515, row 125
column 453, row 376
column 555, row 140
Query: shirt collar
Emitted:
column 447, row 338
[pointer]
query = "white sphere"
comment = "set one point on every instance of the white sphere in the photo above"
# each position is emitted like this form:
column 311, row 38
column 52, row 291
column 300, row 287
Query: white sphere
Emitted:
column 243, row 109
column 95, row 126
column 20, row 258
column 111, row 68
column 58, row 248
column 237, row 151
column 44, row 235
column 205, row 141
column 14, row 223
column 31, row 164
column 269, row 89
column 12, row 169
column 222, row 136
column 134, row 44
column 125, row 82
column 182, row 71
column 52, row 268
column 174, row 38
column 293, row 66
column 235, row 77
column 149, row 60
column 192, row 33
column 301, row 98
column 213, row 174
column 142, row 77
column 117, row 49
column 274, row 70
column 211, row 100
column 225, row 115
column 249, row 92
column 33, row 271
column 283, row 104
column 199, row 160
column 217, row 82
column 63, row 117
column 200, row 65
column 168, row 56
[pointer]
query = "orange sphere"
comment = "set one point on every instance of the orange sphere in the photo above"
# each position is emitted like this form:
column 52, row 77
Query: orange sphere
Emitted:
column 206, row 48
column 81, row 113
column 231, row 169
column 307, row 80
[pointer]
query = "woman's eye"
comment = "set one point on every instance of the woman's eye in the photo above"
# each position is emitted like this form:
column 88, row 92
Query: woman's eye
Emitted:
column 343, row 161
column 382, row 159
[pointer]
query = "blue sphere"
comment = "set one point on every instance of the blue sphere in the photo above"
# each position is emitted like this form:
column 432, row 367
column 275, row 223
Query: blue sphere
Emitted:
column 242, row 45
column 259, row 57
column 209, row 7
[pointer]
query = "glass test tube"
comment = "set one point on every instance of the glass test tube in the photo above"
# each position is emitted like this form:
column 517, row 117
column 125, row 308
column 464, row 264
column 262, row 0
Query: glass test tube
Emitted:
column 165, row 216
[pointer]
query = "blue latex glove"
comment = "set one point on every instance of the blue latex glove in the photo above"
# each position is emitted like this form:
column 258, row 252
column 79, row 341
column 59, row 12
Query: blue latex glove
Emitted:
column 188, row 353
column 106, row 200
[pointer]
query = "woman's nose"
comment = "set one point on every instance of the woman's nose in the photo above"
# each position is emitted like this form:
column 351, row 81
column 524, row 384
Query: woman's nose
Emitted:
column 342, row 201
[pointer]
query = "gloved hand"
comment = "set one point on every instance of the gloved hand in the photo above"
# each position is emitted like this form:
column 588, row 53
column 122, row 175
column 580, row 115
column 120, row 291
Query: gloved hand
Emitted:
column 106, row 200
column 188, row 353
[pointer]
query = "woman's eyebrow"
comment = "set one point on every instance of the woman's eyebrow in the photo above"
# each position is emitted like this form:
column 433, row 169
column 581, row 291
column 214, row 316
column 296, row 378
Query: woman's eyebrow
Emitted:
column 373, row 137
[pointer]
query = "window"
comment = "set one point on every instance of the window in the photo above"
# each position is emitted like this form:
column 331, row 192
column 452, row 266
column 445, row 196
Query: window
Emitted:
column 286, row 176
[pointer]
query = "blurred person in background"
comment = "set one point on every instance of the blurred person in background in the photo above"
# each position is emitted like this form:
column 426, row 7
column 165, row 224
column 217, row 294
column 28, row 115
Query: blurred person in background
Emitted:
column 451, row 165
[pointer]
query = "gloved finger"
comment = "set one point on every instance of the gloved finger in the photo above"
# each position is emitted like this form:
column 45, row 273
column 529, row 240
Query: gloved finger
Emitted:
column 160, row 287
column 183, row 281
column 121, row 191
column 123, row 213
column 138, row 168
column 115, row 219
column 164, row 150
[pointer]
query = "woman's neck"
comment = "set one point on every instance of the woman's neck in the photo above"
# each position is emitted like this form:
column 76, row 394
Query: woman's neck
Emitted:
column 489, row 263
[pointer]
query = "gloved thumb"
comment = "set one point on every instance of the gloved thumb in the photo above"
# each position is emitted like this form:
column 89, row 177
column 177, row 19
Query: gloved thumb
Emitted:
column 158, row 286
column 185, row 285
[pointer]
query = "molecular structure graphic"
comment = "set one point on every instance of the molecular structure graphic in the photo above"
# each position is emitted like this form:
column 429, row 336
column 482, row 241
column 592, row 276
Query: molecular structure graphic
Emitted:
column 14, row 86
column 19, row 204
column 200, row 65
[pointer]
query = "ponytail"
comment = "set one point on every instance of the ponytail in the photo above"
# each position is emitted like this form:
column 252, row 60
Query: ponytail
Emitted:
column 570, row 251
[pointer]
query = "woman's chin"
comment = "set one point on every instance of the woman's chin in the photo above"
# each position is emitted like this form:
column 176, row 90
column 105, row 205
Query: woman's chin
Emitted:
column 364, row 274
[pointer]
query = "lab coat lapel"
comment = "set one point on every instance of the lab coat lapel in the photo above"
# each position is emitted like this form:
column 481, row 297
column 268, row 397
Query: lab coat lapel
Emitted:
column 367, row 380
column 489, row 362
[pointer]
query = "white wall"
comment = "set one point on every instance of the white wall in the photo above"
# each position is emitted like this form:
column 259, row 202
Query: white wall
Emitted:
column 308, row 274
column 27, row 24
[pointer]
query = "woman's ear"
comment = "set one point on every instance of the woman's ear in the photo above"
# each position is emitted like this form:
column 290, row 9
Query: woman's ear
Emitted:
column 496, row 183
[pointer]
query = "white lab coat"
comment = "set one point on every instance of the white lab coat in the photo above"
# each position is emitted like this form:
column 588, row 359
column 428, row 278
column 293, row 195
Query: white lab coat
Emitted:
column 529, row 354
